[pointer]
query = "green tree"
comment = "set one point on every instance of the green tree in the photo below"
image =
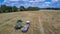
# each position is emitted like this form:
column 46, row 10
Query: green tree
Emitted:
column 3, row 8
column 33, row 8
column 14, row 9
column 22, row 8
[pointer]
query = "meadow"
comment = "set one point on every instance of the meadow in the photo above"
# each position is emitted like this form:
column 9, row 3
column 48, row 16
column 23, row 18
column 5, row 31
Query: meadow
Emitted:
column 41, row 22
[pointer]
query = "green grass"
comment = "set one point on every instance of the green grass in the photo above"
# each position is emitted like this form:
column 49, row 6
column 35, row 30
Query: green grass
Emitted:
column 6, row 27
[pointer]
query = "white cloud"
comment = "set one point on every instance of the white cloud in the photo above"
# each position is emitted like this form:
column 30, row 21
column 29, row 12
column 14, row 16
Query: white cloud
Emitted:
column 24, row 0
column 14, row 0
column 39, row 0
column 55, row 0
column 47, row 3
column 30, row 0
column 36, row 0
column 33, row 2
column 11, row 0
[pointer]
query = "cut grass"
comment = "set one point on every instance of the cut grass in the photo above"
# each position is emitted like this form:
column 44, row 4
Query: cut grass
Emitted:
column 6, row 29
column 51, row 22
column 49, row 19
column 7, row 25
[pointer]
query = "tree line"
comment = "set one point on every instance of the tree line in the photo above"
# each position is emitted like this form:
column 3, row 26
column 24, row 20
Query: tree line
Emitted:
column 50, row 8
column 5, row 9
column 22, row 8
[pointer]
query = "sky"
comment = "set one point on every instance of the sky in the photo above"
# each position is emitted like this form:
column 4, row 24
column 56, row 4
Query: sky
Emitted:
column 33, row 3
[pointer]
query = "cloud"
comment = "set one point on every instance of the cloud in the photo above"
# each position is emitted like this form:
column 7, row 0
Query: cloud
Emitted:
column 11, row 0
column 33, row 0
column 55, row 0
column 14, row 0
column 36, row 0
column 24, row 0
column 26, row 3
column 47, row 3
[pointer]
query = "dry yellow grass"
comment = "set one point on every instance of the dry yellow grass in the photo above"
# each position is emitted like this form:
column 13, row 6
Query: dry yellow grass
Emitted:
column 50, row 20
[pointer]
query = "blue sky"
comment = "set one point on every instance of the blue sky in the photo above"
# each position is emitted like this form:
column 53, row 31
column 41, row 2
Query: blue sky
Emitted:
column 33, row 3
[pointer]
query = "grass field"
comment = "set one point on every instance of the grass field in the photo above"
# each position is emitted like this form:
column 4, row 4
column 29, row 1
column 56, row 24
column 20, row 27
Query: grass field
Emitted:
column 42, row 22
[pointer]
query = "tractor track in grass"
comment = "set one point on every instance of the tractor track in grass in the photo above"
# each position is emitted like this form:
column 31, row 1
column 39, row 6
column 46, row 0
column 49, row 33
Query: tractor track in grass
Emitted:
column 41, row 26
column 6, row 17
column 8, row 21
column 52, row 32
column 13, row 18
column 27, row 18
column 14, row 32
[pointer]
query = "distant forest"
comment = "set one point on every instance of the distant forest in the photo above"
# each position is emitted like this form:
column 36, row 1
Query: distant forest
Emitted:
column 5, row 9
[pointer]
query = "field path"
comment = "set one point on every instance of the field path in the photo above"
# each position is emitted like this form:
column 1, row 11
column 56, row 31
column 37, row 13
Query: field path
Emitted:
column 14, row 31
column 41, row 24
column 7, row 22
column 41, row 27
column 25, row 18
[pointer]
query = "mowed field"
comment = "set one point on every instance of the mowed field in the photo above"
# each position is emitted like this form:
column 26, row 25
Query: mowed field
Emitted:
column 41, row 22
